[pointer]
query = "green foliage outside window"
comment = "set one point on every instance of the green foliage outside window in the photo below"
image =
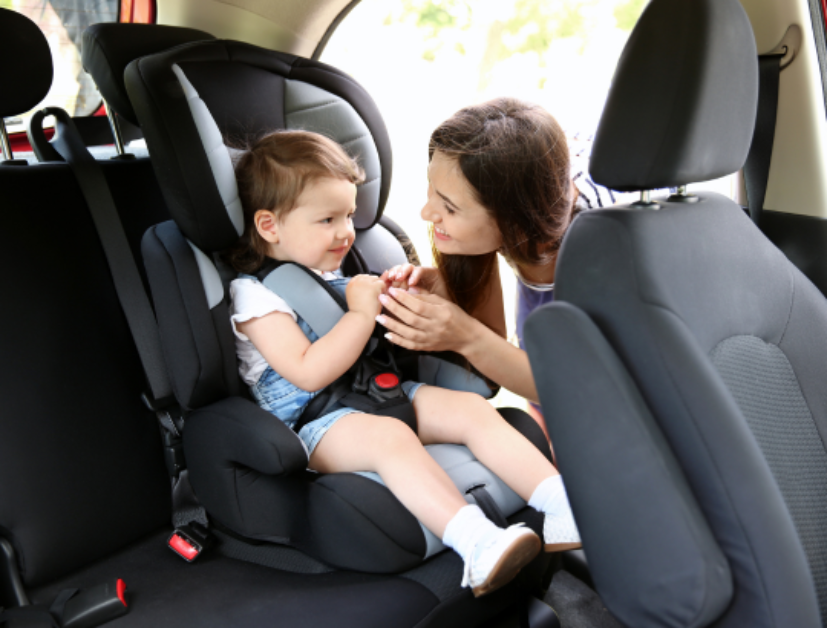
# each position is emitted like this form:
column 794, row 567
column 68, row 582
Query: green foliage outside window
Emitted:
column 513, row 26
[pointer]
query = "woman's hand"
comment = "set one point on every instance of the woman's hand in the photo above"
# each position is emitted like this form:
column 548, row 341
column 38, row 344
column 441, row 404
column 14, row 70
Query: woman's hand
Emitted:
column 362, row 294
column 415, row 279
column 426, row 322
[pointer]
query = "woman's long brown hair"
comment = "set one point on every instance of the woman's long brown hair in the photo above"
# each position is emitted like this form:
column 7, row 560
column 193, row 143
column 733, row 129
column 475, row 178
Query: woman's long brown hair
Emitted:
column 514, row 155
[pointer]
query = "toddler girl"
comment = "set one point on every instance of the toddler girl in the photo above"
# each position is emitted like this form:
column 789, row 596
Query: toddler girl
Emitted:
column 298, row 190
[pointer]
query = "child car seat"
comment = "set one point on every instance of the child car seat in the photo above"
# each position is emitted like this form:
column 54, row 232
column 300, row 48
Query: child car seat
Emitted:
column 248, row 470
column 84, row 496
column 703, row 348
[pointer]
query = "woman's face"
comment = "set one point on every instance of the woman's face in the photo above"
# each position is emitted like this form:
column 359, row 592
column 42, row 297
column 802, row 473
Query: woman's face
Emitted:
column 461, row 225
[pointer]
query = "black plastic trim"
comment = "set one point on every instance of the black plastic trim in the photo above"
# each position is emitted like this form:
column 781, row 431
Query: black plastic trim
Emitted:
column 803, row 239
column 12, row 592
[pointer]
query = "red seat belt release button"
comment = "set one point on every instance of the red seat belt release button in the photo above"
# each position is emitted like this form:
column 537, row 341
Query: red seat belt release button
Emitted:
column 190, row 541
column 183, row 548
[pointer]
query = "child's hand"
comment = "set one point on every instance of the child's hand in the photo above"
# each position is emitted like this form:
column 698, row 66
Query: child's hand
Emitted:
column 413, row 279
column 362, row 294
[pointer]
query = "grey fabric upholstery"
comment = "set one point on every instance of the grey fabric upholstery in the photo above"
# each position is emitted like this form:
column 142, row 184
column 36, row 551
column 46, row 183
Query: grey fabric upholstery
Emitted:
column 676, row 113
column 239, row 93
column 723, row 337
column 651, row 553
column 310, row 108
column 766, row 389
column 666, row 289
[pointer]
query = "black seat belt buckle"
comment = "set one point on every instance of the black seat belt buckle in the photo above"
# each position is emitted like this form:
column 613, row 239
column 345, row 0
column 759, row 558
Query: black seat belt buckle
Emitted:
column 190, row 541
column 95, row 606
column 174, row 454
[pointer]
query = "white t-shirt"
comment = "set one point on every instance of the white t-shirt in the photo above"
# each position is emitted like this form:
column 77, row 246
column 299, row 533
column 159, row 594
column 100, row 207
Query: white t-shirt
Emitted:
column 250, row 299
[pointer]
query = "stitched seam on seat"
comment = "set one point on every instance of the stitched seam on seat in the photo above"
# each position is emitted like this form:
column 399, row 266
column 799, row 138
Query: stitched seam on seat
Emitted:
column 358, row 137
column 723, row 486
column 312, row 107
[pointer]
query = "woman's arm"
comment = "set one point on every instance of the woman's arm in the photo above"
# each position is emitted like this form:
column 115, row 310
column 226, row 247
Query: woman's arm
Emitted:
column 431, row 323
column 310, row 366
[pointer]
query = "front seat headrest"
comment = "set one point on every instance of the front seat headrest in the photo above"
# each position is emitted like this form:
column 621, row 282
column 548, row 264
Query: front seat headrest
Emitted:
column 683, row 100
column 26, row 80
column 109, row 48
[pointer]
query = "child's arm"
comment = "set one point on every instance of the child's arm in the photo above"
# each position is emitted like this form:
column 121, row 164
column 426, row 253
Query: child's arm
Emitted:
column 312, row 366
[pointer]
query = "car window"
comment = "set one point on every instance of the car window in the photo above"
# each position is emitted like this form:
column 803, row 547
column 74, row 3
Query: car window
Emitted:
column 63, row 23
column 447, row 54
column 422, row 60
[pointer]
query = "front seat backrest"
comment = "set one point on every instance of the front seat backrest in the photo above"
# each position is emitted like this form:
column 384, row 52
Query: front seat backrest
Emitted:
column 723, row 336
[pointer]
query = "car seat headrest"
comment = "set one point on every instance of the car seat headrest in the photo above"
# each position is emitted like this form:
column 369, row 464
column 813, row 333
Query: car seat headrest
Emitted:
column 26, row 80
column 682, row 104
column 196, row 99
column 108, row 48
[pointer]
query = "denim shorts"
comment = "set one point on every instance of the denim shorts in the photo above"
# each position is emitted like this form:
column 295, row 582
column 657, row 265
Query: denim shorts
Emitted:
column 313, row 432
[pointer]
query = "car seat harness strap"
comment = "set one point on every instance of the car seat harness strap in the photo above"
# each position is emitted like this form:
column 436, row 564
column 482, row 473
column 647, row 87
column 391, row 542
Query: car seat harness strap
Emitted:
column 372, row 384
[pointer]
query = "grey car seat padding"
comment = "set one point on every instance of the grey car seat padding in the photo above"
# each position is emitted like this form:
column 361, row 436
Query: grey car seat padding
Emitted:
column 665, row 301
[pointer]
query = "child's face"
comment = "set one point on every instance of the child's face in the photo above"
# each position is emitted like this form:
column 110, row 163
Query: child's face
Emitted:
column 318, row 233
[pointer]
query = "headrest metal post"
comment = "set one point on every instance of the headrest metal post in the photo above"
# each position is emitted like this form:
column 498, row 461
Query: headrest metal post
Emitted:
column 645, row 201
column 116, row 128
column 9, row 159
column 4, row 141
column 682, row 196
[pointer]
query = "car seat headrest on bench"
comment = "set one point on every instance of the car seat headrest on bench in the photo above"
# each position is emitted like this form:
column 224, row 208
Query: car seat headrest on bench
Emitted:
column 26, row 81
column 196, row 98
column 108, row 48
column 674, row 114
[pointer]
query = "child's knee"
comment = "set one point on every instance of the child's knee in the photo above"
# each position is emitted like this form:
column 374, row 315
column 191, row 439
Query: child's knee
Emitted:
column 392, row 434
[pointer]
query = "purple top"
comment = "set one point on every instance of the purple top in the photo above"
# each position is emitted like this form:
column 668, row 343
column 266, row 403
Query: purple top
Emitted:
column 529, row 300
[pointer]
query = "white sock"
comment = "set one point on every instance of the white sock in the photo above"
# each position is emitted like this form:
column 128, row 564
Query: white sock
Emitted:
column 465, row 529
column 550, row 497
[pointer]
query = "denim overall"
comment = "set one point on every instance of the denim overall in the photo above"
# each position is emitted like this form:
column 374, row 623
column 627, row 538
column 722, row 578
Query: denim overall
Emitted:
column 287, row 401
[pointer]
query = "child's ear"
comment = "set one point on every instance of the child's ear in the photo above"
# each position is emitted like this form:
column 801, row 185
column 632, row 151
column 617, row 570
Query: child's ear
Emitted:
column 267, row 225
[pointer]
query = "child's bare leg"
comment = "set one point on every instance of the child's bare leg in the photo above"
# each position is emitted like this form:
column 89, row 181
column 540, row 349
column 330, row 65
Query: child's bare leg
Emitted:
column 365, row 442
column 447, row 416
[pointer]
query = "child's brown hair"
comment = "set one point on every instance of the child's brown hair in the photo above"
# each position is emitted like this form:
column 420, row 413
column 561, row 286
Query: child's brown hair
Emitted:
column 272, row 174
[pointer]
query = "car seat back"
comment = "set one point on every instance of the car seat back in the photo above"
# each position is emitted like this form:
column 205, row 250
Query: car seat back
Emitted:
column 712, row 330
column 81, row 473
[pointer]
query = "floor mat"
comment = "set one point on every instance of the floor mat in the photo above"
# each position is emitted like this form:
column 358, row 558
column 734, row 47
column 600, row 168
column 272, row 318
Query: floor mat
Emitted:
column 577, row 606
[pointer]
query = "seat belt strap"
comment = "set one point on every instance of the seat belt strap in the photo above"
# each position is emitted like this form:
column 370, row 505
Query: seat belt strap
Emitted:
column 135, row 305
column 128, row 285
column 757, row 166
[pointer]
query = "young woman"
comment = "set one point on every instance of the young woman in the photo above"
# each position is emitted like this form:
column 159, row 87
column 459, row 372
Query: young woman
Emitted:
column 298, row 191
column 500, row 180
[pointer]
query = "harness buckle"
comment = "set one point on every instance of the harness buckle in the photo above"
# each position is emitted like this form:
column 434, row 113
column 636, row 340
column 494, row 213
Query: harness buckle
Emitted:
column 384, row 387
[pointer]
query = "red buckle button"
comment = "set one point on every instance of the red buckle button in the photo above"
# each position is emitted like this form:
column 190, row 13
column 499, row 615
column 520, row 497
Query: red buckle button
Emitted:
column 183, row 547
column 386, row 380
column 120, row 587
